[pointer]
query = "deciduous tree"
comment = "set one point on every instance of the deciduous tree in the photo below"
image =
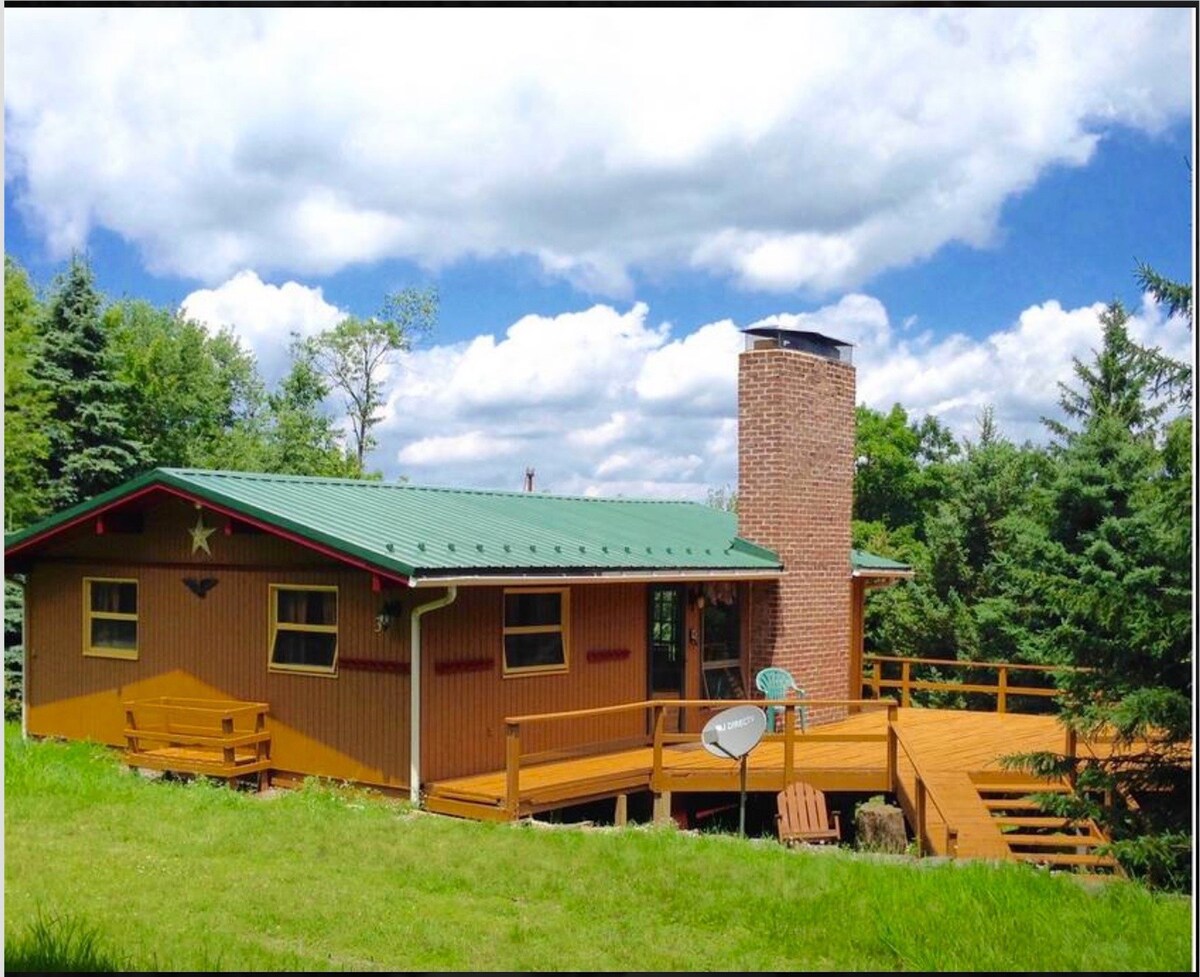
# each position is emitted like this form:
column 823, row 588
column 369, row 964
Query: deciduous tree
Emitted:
column 354, row 355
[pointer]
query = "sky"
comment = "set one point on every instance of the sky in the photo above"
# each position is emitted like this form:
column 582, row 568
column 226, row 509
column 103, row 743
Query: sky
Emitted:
column 604, row 198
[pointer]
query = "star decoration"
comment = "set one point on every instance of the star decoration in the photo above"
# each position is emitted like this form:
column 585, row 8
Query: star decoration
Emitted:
column 200, row 534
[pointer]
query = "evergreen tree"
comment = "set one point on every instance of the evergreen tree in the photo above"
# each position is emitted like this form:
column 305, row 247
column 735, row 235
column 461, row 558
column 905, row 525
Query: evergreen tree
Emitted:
column 1172, row 378
column 26, row 406
column 90, row 449
column 1115, row 385
column 1119, row 519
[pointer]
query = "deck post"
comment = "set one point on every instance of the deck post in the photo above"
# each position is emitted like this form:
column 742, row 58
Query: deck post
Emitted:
column 512, row 768
column 906, row 684
column 621, row 811
column 892, row 772
column 920, row 816
column 1072, row 744
column 1002, row 697
column 789, row 744
column 876, row 676
column 656, row 772
column 662, row 807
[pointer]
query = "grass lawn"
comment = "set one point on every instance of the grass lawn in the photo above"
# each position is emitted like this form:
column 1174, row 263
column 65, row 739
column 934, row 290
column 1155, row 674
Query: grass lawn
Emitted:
column 197, row 877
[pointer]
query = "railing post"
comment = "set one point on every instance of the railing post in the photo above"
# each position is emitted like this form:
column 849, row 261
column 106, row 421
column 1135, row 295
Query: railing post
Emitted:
column 1002, row 696
column 657, row 771
column 906, row 686
column 892, row 772
column 512, row 768
column 789, row 745
column 877, row 677
column 920, row 816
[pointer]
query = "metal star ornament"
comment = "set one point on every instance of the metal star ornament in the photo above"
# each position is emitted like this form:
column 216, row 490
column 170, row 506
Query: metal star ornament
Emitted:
column 200, row 534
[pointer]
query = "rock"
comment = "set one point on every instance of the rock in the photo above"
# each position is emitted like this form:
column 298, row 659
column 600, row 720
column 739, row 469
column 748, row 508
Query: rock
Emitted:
column 879, row 827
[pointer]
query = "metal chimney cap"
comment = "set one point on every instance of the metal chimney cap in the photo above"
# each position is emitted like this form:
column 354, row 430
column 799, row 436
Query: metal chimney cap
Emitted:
column 801, row 340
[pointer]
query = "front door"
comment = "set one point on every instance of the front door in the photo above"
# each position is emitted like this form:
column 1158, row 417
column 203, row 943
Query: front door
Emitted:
column 666, row 642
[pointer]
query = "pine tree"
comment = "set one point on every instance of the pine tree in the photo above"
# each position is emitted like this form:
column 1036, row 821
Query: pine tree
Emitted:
column 89, row 449
column 26, row 446
column 1119, row 518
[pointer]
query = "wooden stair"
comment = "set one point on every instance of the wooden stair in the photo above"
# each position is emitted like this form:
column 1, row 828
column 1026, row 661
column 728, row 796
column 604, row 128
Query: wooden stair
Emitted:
column 1042, row 839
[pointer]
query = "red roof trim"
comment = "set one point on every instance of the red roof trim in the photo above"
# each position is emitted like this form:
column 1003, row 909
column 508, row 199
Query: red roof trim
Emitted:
column 296, row 538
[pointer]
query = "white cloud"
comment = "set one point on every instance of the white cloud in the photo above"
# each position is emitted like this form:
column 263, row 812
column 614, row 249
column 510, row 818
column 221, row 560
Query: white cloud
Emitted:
column 263, row 315
column 1015, row 370
column 783, row 148
column 605, row 403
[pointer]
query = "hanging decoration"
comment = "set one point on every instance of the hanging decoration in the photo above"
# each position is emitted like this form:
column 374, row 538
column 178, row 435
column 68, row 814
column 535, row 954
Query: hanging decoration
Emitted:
column 200, row 534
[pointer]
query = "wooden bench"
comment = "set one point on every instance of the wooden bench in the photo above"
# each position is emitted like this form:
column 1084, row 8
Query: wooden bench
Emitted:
column 804, row 815
column 214, row 737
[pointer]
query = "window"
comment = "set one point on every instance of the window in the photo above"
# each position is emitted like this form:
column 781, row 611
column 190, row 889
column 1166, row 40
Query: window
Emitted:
column 110, row 618
column 720, row 651
column 304, row 629
column 535, row 631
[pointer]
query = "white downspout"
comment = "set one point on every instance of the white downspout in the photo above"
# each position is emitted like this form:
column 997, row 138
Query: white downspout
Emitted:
column 414, row 689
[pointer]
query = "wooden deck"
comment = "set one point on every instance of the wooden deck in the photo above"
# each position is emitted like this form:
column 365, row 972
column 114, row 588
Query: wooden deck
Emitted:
column 942, row 764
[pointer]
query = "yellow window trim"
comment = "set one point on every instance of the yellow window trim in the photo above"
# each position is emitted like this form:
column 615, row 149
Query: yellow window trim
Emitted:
column 90, row 650
column 563, row 627
column 276, row 625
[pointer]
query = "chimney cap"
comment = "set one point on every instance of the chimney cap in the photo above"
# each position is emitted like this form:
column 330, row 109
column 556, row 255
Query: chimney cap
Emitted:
column 799, row 339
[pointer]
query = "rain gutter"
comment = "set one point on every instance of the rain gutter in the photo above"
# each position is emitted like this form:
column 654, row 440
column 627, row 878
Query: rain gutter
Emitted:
column 637, row 576
column 414, row 691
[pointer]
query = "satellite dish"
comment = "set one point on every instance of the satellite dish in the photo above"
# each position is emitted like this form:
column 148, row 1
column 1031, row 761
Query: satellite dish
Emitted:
column 734, row 732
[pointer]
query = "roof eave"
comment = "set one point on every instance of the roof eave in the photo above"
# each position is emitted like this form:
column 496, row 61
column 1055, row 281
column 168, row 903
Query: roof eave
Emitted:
column 889, row 573
column 601, row 576
column 167, row 482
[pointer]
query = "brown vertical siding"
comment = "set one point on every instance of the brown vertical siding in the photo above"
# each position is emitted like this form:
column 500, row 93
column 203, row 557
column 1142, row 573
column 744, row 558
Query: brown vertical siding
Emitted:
column 353, row 726
column 473, row 705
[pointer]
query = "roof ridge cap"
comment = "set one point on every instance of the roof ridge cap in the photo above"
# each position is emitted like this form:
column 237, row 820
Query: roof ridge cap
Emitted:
column 461, row 490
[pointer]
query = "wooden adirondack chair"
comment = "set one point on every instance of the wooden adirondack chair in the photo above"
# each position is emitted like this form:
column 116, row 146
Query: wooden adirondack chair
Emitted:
column 804, row 816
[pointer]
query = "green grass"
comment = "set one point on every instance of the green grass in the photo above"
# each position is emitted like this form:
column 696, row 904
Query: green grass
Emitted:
column 135, row 874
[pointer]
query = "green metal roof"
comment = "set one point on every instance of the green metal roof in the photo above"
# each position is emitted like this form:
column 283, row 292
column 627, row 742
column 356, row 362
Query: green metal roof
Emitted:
column 416, row 531
column 434, row 532
column 865, row 562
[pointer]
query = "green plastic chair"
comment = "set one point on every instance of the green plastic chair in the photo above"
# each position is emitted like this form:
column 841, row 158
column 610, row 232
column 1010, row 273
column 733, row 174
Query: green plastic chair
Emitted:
column 777, row 683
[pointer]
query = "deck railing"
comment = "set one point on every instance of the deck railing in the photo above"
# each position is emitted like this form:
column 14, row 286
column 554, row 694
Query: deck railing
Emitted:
column 661, row 777
column 921, row 794
column 874, row 680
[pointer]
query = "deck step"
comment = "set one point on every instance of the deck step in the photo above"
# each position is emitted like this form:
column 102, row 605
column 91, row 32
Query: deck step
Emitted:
column 1054, row 841
column 1035, row 821
column 1011, row 804
column 1022, row 787
column 1066, row 858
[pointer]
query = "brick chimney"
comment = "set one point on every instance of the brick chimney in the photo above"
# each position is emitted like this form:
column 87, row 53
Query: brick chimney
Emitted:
column 795, row 483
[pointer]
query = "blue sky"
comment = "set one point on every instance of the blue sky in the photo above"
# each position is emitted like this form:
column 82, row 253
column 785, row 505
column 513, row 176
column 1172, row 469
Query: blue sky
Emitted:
column 954, row 191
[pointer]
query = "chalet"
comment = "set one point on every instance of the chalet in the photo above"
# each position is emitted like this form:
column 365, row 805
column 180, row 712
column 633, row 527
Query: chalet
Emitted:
column 388, row 633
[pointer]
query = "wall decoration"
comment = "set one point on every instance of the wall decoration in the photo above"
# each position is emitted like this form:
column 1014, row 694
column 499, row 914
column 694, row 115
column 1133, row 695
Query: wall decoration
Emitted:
column 200, row 534
column 608, row 654
column 200, row 587
column 373, row 665
column 467, row 665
